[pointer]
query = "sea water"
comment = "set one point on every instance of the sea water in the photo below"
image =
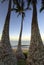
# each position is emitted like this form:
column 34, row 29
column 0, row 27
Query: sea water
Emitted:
column 24, row 44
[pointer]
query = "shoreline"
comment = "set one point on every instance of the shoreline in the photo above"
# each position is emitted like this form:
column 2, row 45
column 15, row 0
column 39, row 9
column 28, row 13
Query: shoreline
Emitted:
column 24, row 50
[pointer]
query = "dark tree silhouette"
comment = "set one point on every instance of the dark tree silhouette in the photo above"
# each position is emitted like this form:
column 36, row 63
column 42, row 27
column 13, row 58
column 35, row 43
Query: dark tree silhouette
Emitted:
column 36, row 44
column 20, row 11
column 7, row 55
column 42, row 7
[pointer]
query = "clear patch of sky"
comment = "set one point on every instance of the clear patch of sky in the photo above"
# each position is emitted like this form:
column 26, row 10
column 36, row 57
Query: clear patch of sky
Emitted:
column 15, row 22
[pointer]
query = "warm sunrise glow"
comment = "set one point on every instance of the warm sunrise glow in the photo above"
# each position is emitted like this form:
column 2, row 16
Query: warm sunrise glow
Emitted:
column 24, row 38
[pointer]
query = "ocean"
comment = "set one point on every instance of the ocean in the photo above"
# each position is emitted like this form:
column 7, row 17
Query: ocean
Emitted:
column 25, row 44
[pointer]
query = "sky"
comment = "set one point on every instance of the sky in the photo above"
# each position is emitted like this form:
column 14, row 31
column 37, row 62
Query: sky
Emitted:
column 15, row 22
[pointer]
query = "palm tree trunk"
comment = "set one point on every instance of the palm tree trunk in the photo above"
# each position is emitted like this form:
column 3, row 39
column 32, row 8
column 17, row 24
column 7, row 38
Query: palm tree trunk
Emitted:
column 19, row 42
column 19, row 53
column 7, row 56
column 5, row 35
column 35, row 33
column 36, row 41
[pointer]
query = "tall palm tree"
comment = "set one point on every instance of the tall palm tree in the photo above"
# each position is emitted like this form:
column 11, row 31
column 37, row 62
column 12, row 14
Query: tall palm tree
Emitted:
column 20, row 11
column 5, row 33
column 42, row 7
column 7, row 55
column 19, row 52
column 36, row 43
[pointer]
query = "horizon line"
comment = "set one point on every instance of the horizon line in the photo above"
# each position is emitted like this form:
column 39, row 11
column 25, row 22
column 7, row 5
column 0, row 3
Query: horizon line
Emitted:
column 24, row 38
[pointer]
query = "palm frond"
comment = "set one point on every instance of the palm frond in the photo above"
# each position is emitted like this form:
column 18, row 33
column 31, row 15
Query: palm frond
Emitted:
column 34, row 1
column 27, row 9
column 19, row 1
column 42, row 6
column 43, row 3
column 22, row 3
column 3, row 1
column 16, row 2
column 14, row 9
column 41, row 9
column 18, row 14
column 28, row 3
column 19, row 7
column 23, row 15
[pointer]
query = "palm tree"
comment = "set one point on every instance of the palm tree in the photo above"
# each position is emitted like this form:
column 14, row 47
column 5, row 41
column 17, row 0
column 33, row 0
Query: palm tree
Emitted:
column 36, row 43
column 5, row 34
column 7, row 55
column 20, row 11
column 19, row 52
column 42, row 7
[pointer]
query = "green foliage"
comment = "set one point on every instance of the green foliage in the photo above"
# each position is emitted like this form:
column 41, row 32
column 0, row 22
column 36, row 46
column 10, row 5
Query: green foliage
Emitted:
column 25, row 53
column 20, row 7
column 21, row 62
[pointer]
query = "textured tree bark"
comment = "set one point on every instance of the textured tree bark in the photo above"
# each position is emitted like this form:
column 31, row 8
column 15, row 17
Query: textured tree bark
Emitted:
column 6, row 53
column 35, row 33
column 36, row 44
column 19, row 53
column 5, row 35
